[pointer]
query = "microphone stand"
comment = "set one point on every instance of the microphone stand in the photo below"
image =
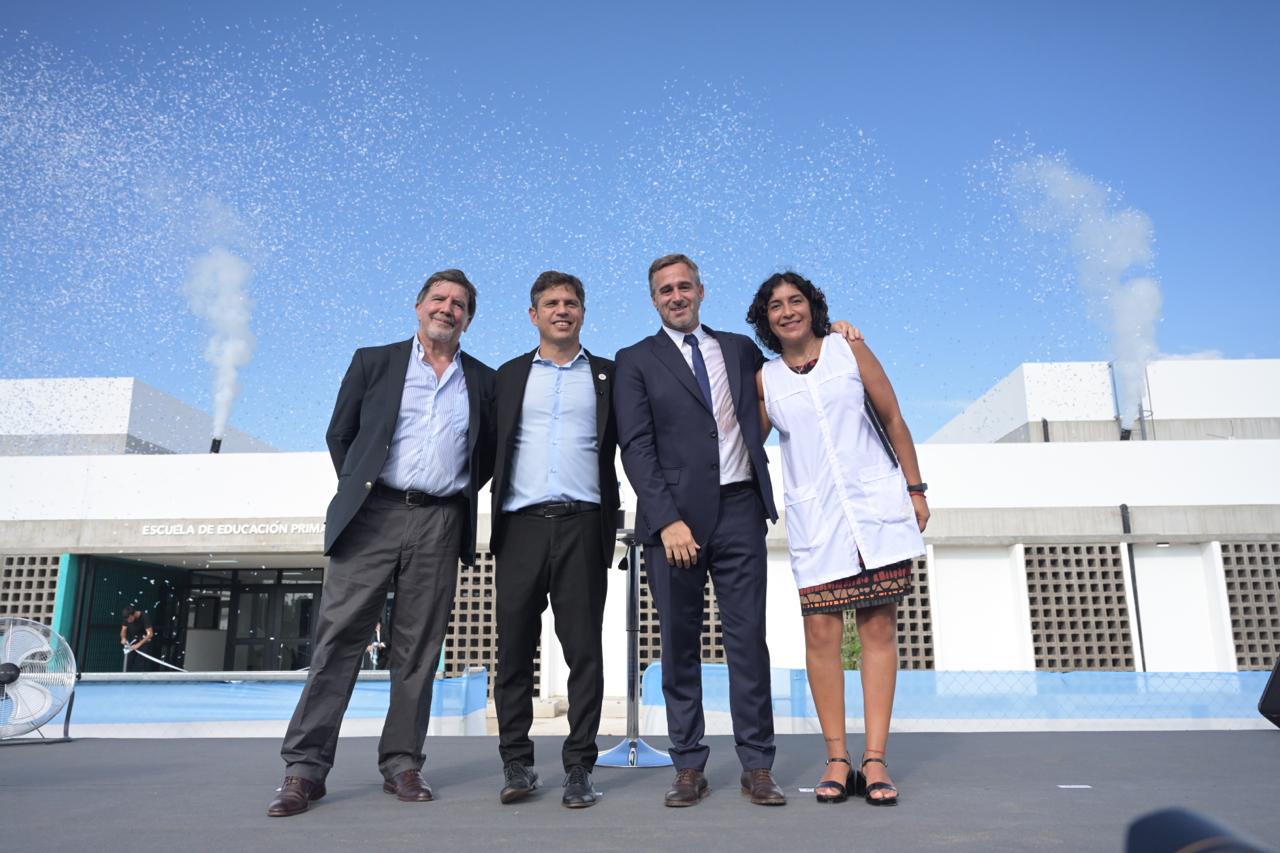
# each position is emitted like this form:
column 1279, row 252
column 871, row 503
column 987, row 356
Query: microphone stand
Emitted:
column 633, row 751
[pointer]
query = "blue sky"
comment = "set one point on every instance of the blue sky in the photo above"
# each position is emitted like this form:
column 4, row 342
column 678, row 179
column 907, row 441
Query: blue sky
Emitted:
column 345, row 152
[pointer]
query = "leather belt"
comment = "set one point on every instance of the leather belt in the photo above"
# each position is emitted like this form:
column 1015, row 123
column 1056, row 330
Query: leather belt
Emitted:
column 557, row 510
column 412, row 498
column 740, row 486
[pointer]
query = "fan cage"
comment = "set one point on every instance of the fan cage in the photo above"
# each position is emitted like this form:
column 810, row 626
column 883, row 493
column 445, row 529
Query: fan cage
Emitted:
column 46, row 676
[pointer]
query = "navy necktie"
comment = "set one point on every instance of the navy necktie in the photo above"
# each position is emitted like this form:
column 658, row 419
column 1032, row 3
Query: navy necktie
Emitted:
column 700, row 371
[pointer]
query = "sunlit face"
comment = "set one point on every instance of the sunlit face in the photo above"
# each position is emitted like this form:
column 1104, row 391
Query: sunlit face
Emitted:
column 442, row 313
column 558, row 315
column 677, row 295
column 790, row 317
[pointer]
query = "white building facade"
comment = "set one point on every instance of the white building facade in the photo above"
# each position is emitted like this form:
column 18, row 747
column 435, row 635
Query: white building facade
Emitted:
column 1157, row 555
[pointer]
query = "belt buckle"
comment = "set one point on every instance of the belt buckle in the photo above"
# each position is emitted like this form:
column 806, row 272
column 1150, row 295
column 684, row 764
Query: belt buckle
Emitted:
column 409, row 498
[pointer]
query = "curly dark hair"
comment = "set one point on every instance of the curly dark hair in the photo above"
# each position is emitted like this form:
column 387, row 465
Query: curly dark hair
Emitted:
column 758, row 313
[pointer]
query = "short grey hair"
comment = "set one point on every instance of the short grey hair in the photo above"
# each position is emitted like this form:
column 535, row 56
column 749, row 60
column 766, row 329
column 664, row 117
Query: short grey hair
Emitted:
column 670, row 261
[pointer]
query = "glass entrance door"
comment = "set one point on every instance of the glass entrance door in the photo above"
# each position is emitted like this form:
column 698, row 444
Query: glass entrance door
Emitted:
column 272, row 625
column 297, row 608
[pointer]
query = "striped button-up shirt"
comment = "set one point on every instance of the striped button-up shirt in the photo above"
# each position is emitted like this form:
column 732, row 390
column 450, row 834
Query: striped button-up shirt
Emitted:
column 735, row 464
column 429, row 448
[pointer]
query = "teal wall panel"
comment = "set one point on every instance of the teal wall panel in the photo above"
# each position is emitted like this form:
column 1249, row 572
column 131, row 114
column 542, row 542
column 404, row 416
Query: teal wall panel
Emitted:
column 66, row 595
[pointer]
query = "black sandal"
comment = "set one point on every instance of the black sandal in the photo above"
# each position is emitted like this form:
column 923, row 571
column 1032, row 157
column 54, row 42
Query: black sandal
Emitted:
column 864, row 790
column 841, row 791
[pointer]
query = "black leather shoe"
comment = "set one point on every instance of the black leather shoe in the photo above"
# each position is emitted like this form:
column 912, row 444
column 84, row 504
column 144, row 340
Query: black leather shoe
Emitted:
column 689, row 789
column 409, row 787
column 294, row 795
column 578, row 792
column 520, row 782
column 758, row 784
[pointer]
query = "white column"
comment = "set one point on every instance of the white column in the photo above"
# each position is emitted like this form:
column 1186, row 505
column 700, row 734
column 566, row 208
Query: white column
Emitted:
column 614, row 636
column 980, row 613
column 1182, row 601
column 1132, row 607
column 784, row 627
column 555, row 675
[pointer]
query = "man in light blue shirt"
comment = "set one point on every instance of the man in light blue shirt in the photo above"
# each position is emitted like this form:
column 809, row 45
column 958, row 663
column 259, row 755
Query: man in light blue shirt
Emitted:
column 555, row 506
column 554, row 458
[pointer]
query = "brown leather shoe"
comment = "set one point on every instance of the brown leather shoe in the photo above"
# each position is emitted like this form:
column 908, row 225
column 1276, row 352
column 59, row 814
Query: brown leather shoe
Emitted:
column 758, row 784
column 409, row 787
column 294, row 795
column 689, row 788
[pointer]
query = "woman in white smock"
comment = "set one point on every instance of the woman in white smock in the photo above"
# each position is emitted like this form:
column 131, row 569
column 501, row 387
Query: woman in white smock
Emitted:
column 855, row 509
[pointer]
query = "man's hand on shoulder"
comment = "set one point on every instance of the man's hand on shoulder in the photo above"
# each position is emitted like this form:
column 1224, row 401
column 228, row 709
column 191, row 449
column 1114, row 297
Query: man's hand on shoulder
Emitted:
column 681, row 550
column 849, row 332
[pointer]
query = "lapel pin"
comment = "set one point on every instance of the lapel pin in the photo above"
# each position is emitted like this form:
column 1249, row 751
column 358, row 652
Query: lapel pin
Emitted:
column 600, row 376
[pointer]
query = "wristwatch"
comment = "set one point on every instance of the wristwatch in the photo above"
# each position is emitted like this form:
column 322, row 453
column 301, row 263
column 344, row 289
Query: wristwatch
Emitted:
column 917, row 488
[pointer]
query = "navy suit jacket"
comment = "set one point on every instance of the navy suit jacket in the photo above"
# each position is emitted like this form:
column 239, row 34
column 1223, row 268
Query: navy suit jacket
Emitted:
column 513, row 378
column 668, row 435
column 364, row 420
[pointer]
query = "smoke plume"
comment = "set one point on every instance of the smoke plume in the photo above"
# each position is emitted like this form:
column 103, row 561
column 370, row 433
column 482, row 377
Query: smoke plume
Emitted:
column 215, row 290
column 1110, row 248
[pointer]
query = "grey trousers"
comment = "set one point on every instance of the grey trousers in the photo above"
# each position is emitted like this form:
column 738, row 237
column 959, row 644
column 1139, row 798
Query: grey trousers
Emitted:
column 418, row 549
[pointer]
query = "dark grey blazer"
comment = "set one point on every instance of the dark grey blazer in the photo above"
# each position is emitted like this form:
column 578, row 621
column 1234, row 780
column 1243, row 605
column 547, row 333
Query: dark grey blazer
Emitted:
column 668, row 434
column 513, row 377
column 364, row 420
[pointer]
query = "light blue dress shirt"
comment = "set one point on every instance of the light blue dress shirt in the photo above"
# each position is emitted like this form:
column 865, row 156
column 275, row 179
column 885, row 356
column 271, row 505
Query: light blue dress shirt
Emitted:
column 556, row 454
column 428, row 451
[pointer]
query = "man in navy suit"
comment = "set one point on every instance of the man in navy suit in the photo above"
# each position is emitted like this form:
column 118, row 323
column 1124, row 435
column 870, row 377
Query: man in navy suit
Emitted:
column 693, row 449
column 412, row 442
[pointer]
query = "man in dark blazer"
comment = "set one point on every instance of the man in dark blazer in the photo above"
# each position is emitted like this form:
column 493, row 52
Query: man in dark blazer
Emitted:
column 555, row 506
column 412, row 442
column 693, row 449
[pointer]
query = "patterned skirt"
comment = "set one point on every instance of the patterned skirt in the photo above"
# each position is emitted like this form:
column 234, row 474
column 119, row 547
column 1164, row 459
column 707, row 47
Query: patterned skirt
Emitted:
column 870, row 587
